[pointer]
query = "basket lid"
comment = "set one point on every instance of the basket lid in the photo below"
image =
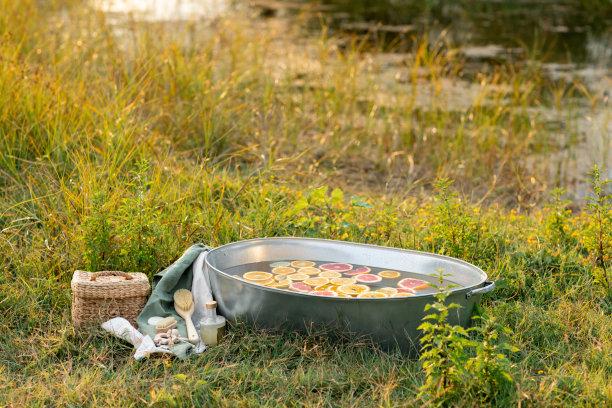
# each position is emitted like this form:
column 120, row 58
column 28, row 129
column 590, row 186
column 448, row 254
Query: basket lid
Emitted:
column 109, row 284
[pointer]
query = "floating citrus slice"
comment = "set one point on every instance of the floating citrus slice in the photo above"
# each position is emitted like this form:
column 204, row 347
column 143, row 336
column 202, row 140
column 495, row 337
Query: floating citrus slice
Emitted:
column 372, row 295
column 324, row 293
column 389, row 274
column 237, row 276
column 359, row 271
column 279, row 264
column 283, row 270
column 411, row 283
column 300, row 287
column 302, row 264
column 343, row 295
column 297, row 276
column 388, row 291
column 309, row 270
column 281, row 284
column 267, row 282
column 330, row 274
column 257, row 276
column 352, row 289
column 329, row 286
column 367, row 278
column 402, row 294
column 336, row 267
column 343, row 281
column 318, row 281
column 405, row 290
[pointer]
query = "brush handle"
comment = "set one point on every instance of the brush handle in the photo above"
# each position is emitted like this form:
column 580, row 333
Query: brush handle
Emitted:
column 192, row 334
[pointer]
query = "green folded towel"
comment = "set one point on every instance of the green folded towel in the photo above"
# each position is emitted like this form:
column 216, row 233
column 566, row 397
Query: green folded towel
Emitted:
column 177, row 276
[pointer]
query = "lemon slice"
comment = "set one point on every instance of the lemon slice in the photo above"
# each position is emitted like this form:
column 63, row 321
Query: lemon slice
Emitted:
column 372, row 295
column 302, row 264
column 389, row 274
column 342, row 281
column 309, row 270
column 283, row 270
column 280, row 264
column 352, row 289
column 319, row 281
column 330, row 274
column 297, row 276
column 281, row 284
column 387, row 291
column 257, row 276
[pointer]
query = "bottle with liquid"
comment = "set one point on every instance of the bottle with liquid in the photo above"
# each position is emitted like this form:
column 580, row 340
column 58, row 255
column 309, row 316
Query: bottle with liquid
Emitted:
column 212, row 326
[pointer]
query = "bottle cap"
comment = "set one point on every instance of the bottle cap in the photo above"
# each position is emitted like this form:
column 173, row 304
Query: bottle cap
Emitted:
column 211, row 304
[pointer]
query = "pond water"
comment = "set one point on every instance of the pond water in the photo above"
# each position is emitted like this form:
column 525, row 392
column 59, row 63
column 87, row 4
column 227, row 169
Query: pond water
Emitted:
column 570, row 40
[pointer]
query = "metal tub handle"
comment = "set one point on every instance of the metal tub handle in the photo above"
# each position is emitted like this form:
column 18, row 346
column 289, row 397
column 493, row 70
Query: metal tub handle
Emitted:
column 486, row 288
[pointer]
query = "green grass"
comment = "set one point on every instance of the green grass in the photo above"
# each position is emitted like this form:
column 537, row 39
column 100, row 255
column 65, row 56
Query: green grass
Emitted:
column 241, row 123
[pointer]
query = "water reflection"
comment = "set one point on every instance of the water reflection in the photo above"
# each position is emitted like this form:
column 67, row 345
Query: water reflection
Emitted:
column 163, row 10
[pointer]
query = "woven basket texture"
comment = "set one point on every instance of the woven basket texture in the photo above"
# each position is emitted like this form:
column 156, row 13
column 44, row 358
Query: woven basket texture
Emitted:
column 100, row 296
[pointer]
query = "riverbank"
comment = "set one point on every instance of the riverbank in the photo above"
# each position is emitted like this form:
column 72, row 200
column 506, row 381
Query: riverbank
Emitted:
column 125, row 142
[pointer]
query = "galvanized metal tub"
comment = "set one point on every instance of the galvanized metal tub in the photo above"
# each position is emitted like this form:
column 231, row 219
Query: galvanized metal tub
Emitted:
column 390, row 322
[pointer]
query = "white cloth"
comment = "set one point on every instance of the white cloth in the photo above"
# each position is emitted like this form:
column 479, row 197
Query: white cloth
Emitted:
column 200, row 287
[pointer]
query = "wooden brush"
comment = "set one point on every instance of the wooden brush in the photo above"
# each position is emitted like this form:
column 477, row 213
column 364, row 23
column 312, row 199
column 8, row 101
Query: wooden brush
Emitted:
column 184, row 306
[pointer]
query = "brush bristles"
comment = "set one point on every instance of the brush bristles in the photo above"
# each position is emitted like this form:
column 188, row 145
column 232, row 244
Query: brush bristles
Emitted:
column 183, row 299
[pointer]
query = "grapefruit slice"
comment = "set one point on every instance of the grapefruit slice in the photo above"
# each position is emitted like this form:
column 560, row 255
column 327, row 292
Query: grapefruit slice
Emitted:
column 309, row 270
column 330, row 274
column 257, row 276
column 372, row 295
column 405, row 290
column 343, row 281
column 283, row 270
column 411, row 283
column 367, row 278
column 318, row 281
column 324, row 293
column 297, row 276
column 359, row 271
column 352, row 289
column 389, row 274
column 336, row 267
column 300, row 287
column 302, row 264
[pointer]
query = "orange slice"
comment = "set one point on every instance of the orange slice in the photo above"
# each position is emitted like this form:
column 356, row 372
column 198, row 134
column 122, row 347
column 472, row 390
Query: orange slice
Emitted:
column 330, row 274
column 309, row 270
column 372, row 295
column 389, row 274
column 283, row 270
column 257, row 276
column 297, row 276
column 343, row 281
column 302, row 264
column 318, row 281
column 405, row 294
column 387, row 291
column 281, row 284
column 353, row 289
column 266, row 282
column 324, row 293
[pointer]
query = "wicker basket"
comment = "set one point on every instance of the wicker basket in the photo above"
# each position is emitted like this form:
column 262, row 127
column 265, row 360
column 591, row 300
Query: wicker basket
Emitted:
column 100, row 296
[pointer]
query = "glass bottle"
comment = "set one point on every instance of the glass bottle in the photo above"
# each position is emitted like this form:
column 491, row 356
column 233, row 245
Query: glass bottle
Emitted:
column 212, row 326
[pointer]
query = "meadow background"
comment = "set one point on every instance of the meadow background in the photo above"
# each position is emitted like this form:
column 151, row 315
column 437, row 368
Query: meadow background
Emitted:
column 123, row 142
